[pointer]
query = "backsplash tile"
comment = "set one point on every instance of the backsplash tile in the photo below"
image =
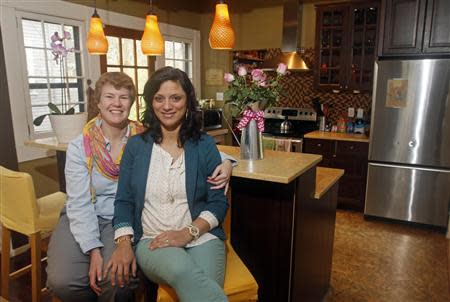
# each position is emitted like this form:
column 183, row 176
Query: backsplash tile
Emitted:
column 300, row 91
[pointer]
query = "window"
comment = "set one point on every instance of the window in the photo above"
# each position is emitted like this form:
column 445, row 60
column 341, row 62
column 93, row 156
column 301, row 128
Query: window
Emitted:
column 124, row 54
column 46, row 79
column 179, row 55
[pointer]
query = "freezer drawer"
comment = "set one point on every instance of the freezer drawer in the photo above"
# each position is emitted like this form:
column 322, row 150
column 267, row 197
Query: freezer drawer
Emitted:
column 408, row 193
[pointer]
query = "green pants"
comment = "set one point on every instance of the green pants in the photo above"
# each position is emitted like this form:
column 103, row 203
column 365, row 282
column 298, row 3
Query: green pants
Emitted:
column 196, row 274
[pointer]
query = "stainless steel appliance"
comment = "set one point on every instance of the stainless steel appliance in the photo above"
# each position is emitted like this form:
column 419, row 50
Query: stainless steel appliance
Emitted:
column 409, row 155
column 211, row 118
column 284, row 127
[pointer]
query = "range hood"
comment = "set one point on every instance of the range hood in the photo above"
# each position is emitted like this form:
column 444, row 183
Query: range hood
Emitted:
column 292, row 21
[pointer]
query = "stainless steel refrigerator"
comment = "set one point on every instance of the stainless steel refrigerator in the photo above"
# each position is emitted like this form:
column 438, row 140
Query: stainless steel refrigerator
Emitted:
column 409, row 155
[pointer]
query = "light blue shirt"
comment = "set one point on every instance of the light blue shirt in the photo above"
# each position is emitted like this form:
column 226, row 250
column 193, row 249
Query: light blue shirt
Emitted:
column 81, row 211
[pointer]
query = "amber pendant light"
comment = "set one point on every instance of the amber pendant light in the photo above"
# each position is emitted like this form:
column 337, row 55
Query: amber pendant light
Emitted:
column 97, row 44
column 152, row 43
column 221, row 35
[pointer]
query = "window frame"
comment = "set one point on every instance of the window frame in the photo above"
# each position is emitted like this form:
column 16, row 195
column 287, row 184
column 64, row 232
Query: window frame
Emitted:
column 24, row 68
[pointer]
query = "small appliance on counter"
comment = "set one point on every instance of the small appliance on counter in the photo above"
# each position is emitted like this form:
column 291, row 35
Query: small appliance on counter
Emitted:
column 211, row 118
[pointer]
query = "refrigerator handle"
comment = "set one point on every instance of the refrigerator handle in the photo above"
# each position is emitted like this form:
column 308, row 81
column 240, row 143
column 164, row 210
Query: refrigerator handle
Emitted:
column 410, row 167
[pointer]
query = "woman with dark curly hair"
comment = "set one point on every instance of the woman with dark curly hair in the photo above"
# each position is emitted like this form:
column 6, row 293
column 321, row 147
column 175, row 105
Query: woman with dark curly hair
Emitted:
column 173, row 217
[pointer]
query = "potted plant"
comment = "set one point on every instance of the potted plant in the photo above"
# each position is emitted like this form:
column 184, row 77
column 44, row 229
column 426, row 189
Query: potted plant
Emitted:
column 65, row 122
column 249, row 93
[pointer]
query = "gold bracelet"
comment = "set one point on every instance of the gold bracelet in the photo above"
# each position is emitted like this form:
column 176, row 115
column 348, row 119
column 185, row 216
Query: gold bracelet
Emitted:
column 122, row 238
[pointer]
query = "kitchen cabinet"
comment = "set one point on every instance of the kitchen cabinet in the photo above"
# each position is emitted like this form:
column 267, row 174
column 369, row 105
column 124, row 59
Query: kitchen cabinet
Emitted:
column 415, row 27
column 249, row 58
column 346, row 36
column 347, row 155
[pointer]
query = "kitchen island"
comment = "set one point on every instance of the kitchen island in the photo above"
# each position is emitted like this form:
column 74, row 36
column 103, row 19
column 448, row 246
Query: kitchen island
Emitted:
column 279, row 229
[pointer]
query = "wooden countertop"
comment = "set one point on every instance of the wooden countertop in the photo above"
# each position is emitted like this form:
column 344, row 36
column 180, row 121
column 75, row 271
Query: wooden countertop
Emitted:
column 277, row 166
column 217, row 132
column 51, row 143
column 338, row 136
column 325, row 179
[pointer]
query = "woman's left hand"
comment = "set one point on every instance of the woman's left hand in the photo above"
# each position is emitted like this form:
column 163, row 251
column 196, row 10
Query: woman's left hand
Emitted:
column 171, row 238
column 221, row 175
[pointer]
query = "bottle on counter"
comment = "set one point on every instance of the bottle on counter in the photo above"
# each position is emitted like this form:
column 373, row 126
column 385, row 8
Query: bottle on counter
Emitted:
column 341, row 125
column 350, row 123
column 359, row 122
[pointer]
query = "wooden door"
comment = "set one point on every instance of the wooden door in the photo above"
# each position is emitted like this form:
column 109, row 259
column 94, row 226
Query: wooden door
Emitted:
column 404, row 24
column 437, row 27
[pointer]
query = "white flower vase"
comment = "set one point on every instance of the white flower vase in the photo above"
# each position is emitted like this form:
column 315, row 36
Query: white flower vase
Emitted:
column 68, row 127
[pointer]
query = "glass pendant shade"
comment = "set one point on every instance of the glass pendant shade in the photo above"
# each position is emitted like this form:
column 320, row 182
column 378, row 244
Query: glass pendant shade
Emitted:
column 97, row 44
column 221, row 35
column 152, row 43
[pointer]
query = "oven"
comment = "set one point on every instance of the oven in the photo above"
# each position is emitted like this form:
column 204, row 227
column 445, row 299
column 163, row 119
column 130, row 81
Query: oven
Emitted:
column 284, row 127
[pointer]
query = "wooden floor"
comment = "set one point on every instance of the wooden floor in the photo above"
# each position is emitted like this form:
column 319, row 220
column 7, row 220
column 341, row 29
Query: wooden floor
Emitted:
column 373, row 261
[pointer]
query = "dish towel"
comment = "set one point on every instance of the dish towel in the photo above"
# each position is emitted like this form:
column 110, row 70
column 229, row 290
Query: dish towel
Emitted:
column 283, row 145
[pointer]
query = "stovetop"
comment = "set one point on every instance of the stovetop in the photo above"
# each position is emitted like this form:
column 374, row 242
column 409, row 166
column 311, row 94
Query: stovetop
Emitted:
column 303, row 120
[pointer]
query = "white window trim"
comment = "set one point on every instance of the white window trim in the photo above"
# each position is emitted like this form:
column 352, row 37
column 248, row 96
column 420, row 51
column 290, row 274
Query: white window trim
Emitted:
column 22, row 55
column 62, row 9
column 186, row 35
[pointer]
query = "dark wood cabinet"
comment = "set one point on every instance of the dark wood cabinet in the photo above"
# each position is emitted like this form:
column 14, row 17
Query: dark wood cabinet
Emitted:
column 415, row 27
column 347, row 155
column 346, row 36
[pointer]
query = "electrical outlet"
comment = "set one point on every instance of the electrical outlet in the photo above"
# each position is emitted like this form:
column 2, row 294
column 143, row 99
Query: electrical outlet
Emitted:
column 219, row 96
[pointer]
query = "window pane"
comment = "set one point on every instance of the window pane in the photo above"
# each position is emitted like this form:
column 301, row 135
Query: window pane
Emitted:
column 188, row 51
column 141, row 59
column 39, row 96
column 32, row 33
column 111, row 69
column 170, row 63
column 179, row 50
column 71, row 64
column 180, row 65
column 128, row 52
column 189, row 71
column 142, row 79
column 54, row 66
column 37, row 81
column 133, row 112
column 130, row 72
column 113, row 56
column 35, row 62
column 169, row 50
column 70, row 43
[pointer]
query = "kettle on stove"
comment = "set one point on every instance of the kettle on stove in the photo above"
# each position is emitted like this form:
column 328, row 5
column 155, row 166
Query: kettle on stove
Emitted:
column 286, row 125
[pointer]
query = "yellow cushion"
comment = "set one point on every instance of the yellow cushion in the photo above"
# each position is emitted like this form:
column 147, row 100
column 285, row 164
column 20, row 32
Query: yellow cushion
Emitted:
column 50, row 207
column 239, row 282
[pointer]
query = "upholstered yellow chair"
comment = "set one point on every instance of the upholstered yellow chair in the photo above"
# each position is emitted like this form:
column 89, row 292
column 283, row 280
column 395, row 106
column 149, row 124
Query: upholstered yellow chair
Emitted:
column 20, row 211
column 239, row 283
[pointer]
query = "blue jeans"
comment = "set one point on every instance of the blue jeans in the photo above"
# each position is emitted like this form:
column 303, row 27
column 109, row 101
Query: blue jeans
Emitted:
column 196, row 274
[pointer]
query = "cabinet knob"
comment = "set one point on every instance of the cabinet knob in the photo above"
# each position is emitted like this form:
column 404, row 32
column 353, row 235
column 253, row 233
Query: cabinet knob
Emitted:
column 319, row 145
column 352, row 147
column 334, row 155
column 346, row 86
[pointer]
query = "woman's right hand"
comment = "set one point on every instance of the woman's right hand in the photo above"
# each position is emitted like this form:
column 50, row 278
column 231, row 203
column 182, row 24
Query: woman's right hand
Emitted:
column 119, row 264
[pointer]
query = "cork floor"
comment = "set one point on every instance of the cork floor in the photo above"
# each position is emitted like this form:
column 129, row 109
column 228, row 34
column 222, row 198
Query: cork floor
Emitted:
column 381, row 261
column 372, row 261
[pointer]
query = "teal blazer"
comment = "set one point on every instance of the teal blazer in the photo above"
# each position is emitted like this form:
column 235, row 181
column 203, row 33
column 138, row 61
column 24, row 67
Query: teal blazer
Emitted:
column 201, row 158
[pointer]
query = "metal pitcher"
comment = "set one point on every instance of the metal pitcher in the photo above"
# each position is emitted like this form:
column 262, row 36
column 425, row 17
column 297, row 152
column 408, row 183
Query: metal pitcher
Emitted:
column 251, row 142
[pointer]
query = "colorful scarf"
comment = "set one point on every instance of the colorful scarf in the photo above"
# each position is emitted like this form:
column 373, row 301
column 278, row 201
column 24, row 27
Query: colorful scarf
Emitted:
column 95, row 149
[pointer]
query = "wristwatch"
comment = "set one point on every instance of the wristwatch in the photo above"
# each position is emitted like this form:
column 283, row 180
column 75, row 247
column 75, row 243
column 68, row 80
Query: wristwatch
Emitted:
column 194, row 231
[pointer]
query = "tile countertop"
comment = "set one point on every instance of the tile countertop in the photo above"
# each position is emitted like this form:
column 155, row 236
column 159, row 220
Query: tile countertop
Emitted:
column 277, row 166
column 338, row 136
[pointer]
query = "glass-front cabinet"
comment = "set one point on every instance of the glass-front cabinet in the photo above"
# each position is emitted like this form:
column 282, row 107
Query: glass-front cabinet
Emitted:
column 364, row 20
column 346, row 38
